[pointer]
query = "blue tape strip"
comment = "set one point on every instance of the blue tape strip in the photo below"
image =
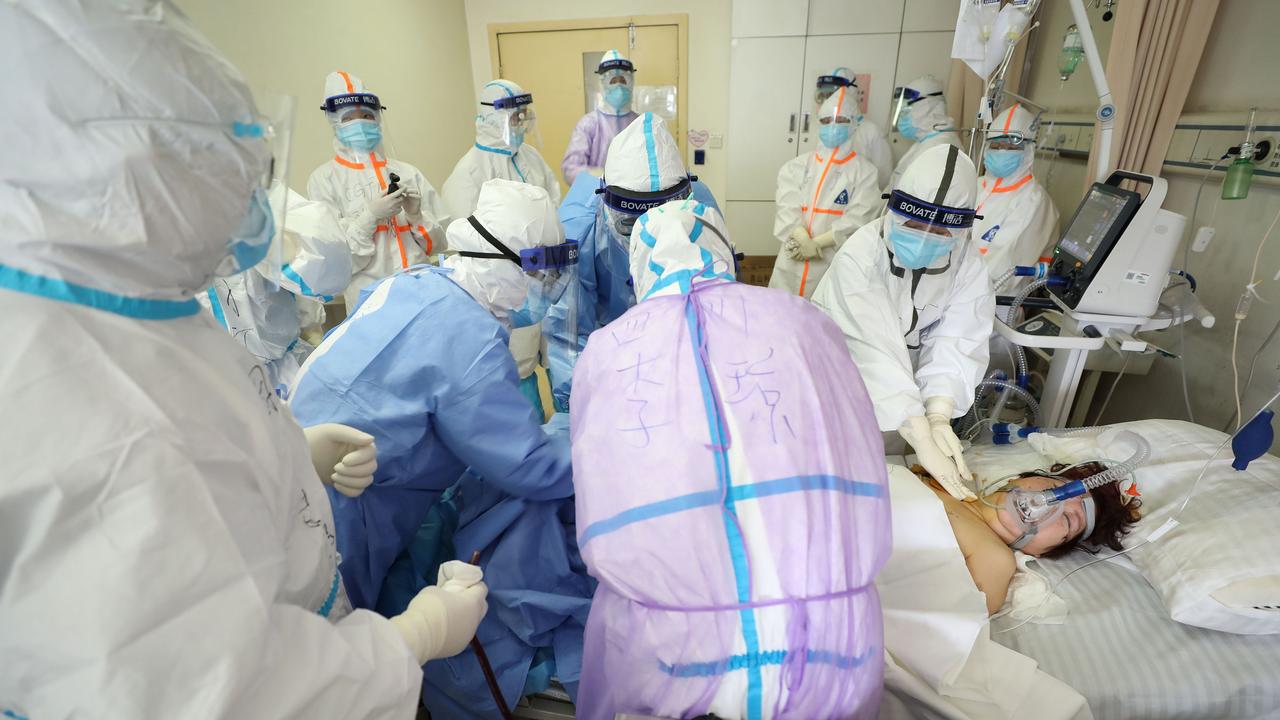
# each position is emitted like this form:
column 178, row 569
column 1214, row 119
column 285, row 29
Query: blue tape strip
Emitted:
column 288, row 271
column 759, row 660
column 737, row 548
column 63, row 291
column 327, row 607
column 654, row 185
column 499, row 151
column 755, row 491
column 216, row 305
column 502, row 85
column 516, row 165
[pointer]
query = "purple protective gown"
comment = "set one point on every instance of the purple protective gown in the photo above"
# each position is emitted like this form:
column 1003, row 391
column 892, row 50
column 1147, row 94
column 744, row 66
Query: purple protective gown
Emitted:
column 590, row 141
column 731, row 500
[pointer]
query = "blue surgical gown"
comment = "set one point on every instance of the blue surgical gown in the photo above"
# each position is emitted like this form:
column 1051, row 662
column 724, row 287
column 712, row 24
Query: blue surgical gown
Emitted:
column 425, row 369
column 604, row 277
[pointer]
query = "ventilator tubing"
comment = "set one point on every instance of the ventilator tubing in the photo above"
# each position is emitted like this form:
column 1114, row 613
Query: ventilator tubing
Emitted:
column 1040, row 272
column 1027, row 397
column 1035, row 506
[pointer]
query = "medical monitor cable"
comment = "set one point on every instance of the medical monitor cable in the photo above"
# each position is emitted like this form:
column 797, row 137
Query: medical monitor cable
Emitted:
column 1156, row 534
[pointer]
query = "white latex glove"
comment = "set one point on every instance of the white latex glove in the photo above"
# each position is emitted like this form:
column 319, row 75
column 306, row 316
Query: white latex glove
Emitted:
column 343, row 457
column 385, row 206
column 412, row 203
column 597, row 171
column 825, row 240
column 441, row 620
column 939, row 410
column 800, row 246
column 919, row 434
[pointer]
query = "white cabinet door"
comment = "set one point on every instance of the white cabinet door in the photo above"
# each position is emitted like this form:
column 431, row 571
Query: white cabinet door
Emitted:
column 848, row 17
column 769, row 18
column 765, row 87
column 871, row 54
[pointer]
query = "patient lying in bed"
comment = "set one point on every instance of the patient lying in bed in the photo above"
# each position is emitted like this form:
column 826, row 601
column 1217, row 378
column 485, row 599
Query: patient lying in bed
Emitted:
column 984, row 531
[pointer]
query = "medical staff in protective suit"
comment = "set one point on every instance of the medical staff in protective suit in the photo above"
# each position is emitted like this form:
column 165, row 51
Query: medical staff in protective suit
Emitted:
column 643, row 170
column 388, row 229
column 868, row 138
column 173, row 556
column 263, row 312
column 722, row 390
column 423, row 367
column 503, row 123
column 914, row 301
column 822, row 198
column 1018, row 219
column 590, row 140
column 922, row 119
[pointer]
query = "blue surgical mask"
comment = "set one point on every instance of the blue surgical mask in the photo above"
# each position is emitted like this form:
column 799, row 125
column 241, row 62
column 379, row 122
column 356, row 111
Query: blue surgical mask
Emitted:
column 834, row 134
column 914, row 249
column 1002, row 163
column 515, row 139
column 360, row 135
column 905, row 126
column 252, row 239
column 618, row 97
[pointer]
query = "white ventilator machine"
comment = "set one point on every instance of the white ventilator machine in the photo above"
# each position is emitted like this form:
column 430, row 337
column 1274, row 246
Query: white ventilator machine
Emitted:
column 1105, row 281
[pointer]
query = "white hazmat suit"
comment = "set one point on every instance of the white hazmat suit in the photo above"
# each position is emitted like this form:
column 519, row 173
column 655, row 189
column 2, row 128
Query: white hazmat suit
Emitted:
column 385, row 236
column 924, row 121
column 264, row 316
column 868, row 138
column 822, row 198
column 168, row 547
column 918, row 336
column 1019, row 219
column 497, row 153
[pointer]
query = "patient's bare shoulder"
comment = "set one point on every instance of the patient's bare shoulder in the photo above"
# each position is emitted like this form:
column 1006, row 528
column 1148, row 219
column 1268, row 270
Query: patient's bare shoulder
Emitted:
column 990, row 561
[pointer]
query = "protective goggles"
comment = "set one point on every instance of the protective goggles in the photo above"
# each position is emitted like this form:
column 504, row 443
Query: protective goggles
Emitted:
column 615, row 64
column 631, row 202
column 911, row 97
column 607, row 77
column 828, row 85
column 1015, row 138
column 909, row 207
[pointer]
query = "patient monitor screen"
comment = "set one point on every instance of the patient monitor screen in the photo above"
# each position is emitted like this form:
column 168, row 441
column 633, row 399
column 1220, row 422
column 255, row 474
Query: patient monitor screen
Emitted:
column 1095, row 220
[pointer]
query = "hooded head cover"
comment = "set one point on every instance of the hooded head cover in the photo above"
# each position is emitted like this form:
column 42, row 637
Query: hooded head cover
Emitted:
column 842, row 105
column 520, row 216
column 643, row 162
column 492, row 120
column 926, row 107
column 930, row 212
column 128, row 105
column 681, row 243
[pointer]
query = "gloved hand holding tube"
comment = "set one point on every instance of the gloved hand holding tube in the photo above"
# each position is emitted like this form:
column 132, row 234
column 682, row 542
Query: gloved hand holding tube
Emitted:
column 343, row 457
column 389, row 205
column 442, row 618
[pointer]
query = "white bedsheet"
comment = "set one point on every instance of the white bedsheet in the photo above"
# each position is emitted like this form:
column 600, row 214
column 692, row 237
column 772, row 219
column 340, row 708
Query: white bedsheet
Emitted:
column 941, row 661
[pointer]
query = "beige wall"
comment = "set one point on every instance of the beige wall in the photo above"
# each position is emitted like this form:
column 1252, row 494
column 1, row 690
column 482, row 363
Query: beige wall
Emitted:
column 708, row 101
column 414, row 56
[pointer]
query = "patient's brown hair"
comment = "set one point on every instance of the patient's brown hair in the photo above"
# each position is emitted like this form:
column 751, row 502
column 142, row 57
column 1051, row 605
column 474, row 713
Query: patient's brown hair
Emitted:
column 1114, row 517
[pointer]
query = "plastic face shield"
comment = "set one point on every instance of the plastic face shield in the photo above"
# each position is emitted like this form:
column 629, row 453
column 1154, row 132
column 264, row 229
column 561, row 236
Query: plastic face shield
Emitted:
column 922, row 232
column 274, row 129
column 903, row 99
column 616, row 76
column 828, row 85
column 551, row 272
column 521, row 122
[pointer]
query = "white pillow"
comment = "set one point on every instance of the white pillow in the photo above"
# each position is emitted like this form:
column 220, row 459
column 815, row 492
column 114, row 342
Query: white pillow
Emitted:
column 1219, row 567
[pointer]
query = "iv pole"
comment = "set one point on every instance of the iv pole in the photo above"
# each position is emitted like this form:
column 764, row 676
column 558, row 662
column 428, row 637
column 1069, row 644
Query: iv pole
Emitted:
column 1106, row 110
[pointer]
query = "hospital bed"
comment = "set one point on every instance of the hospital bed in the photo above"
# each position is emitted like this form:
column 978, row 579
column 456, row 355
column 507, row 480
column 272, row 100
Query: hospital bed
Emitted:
column 1118, row 645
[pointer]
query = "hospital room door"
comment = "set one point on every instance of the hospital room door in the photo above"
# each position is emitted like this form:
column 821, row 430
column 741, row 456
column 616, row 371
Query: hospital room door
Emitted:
column 555, row 61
